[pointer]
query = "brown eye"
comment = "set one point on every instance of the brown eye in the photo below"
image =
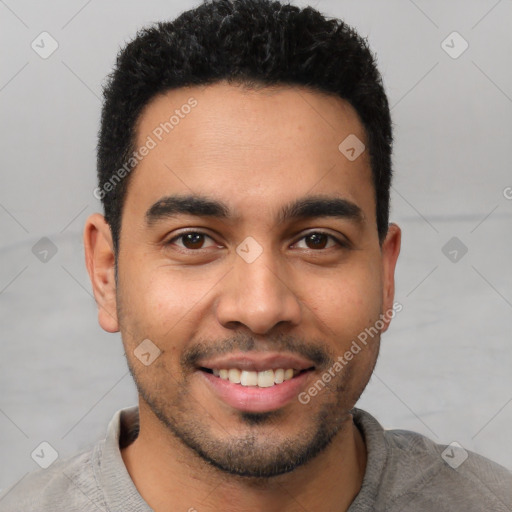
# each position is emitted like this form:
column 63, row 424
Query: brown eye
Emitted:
column 192, row 240
column 320, row 240
column 317, row 240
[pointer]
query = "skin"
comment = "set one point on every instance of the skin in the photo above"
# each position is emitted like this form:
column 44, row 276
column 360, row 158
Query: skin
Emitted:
column 241, row 146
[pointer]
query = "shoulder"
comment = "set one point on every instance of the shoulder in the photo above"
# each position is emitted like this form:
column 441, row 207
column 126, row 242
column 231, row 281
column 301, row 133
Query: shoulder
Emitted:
column 420, row 474
column 67, row 485
column 445, row 477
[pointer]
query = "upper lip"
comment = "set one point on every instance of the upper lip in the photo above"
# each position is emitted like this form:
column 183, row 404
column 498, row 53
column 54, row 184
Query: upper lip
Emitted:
column 257, row 362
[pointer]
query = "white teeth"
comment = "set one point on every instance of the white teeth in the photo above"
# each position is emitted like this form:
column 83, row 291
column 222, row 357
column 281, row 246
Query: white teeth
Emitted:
column 249, row 378
column 279, row 376
column 234, row 375
column 264, row 379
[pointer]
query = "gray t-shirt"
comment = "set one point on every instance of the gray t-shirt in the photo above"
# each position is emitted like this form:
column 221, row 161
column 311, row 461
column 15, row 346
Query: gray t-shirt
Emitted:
column 405, row 472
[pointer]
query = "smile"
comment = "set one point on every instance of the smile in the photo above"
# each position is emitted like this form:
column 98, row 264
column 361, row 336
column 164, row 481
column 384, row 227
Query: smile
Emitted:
column 255, row 391
column 261, row 379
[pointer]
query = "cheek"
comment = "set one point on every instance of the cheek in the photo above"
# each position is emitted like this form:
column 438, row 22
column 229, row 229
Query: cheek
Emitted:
column 160, row 309
column 165, row 302
column 349, row 301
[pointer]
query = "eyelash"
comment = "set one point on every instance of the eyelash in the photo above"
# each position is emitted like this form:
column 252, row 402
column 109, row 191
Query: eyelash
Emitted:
column 340, row 243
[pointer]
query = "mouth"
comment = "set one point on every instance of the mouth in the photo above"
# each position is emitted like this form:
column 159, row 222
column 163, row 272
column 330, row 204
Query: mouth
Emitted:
column 255, row 388
column 261, row 379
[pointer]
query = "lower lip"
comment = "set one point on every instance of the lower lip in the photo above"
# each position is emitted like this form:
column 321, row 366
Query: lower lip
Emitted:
column 253, row 398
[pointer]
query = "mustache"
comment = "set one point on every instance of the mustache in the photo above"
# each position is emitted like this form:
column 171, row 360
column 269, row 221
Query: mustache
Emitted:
column 317, row 352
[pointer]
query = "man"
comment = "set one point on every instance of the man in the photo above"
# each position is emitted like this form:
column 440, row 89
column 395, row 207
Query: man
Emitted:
column 246, row 257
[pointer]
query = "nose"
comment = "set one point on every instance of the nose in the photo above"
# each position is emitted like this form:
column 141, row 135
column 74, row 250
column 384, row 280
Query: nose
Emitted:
column 257, row 295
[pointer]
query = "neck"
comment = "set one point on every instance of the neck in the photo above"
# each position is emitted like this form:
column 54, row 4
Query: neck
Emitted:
column 171, row 477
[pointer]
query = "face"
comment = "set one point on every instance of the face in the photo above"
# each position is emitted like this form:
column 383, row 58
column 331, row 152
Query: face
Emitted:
column 249, row 246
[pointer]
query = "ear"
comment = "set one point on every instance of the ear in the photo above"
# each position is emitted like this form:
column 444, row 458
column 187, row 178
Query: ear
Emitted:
column 389, row 253
column 100, row 263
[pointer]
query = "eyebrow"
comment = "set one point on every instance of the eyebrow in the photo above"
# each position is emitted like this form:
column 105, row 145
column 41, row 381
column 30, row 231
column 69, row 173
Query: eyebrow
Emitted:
column 304, row 208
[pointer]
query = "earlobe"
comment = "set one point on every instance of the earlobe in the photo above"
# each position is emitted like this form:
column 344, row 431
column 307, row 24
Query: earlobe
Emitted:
column 390, row 251
column 100, row 263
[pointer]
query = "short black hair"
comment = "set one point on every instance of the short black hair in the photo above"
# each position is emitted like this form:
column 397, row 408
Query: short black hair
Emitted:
column 247, row 42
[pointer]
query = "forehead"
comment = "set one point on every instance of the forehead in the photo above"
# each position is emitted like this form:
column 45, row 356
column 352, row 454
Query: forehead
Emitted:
column 242, row 145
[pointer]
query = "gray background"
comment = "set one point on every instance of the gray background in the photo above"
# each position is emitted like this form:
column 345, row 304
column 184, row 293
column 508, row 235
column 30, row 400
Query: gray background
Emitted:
column 444, row 368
